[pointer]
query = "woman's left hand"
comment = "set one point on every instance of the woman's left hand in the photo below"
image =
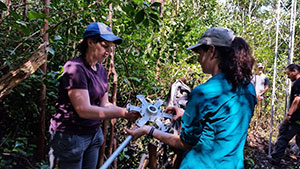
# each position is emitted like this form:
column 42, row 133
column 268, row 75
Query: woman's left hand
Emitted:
column 178, row 112
column 137, row 132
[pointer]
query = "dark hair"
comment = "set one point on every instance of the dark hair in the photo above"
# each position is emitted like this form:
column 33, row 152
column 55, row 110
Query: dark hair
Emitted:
column 83, row 46
column 293, row 66
column 236, row 62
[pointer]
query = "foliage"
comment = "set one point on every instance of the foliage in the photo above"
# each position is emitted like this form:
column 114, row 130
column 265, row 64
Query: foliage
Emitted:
column 151, row 58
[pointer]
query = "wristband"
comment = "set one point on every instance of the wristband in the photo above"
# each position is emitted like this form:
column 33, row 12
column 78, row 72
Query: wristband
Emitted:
column 289, row 114
column 150, row 134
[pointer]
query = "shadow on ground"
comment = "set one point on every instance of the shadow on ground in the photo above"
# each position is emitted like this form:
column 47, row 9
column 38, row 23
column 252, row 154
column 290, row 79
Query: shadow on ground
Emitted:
column 256, row 151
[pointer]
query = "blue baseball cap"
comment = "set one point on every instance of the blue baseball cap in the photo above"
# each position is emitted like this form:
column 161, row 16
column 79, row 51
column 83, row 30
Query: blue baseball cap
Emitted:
column 104, row 31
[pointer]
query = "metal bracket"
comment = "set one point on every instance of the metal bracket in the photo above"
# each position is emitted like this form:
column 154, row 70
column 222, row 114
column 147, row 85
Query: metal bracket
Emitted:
column 150, row 112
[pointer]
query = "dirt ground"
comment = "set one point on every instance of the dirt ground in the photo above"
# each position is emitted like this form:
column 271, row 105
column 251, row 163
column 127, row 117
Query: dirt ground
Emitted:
column 257, row 148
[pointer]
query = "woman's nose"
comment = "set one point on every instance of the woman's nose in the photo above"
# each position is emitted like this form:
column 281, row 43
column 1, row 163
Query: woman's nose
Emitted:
column 110, row 49
column 107, row 51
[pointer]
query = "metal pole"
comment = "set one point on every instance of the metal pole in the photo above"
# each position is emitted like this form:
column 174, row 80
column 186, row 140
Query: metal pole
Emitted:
column 290, row 51
column 274, row 77
column 292, row 30
column 116, row 153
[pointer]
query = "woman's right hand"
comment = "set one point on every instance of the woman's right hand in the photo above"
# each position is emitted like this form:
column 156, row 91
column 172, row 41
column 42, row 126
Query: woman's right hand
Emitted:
column 132, row 115
column 178, row 112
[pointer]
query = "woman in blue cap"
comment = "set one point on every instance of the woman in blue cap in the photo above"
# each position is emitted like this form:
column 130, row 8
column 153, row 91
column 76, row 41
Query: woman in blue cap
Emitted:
column 83, row 102
column 216, row 119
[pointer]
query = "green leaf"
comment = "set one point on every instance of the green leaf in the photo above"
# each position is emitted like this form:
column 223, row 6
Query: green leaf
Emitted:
column 127, row 8
column 21, row 23
column 2, row 6
column 154, row 16
column 35, row 15
column 58, row 37
column 156, row 4
column 138, row 1
column 18, row 143
column 51, row 51
column 139, row 17
column 22, row 152
column 15, row 15
column 154, row 22
column 135, row 79
column 6, row 150
column 60, row 72
column 146, row 22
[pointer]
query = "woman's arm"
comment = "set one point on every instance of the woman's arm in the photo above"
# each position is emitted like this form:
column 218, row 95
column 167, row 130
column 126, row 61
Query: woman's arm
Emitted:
column 81, row 103
column 170, row 139
column 105, row 102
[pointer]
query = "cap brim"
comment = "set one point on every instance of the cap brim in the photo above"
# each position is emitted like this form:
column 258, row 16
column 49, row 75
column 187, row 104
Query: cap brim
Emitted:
column 193, row 47
column 112, row 38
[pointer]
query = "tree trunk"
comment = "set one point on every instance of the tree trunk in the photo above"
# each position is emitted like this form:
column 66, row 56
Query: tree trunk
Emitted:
column 102, row 149
column 25, row 10
column 161, row 9
column 152, row 156
column 157, row 69
column 6, row 13
column 112, row 72
column 161, row 6
column 17, row 75
column 42, row 99
column 143, row 162
column 177, row 7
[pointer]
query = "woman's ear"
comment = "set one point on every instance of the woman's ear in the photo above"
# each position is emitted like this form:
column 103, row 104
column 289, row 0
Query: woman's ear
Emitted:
column 89, row 42
column 212, row 51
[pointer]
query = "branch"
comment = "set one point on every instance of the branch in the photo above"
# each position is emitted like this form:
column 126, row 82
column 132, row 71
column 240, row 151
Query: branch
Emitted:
column 17, row 75
column 30, row 36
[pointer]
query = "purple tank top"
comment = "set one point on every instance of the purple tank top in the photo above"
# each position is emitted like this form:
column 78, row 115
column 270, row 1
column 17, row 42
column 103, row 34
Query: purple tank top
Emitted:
column 78, row 75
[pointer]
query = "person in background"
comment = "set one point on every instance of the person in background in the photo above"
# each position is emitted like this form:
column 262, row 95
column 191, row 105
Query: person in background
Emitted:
column 291, row 123
column 261, row 83
column 217, row 116
column 83, row 103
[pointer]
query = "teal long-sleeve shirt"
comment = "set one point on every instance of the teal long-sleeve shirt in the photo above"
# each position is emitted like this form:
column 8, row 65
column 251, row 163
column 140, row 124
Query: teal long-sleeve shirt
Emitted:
column 215, row 123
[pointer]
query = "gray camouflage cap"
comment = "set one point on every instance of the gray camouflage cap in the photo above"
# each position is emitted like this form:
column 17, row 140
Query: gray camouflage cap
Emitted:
column 216, row 36
column 258, row 65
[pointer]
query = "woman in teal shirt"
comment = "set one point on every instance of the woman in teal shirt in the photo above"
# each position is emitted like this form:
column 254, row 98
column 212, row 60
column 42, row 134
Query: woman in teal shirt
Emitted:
column 217, row 116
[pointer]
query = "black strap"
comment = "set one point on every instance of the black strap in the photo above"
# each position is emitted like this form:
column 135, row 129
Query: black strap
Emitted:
column 150, row 134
